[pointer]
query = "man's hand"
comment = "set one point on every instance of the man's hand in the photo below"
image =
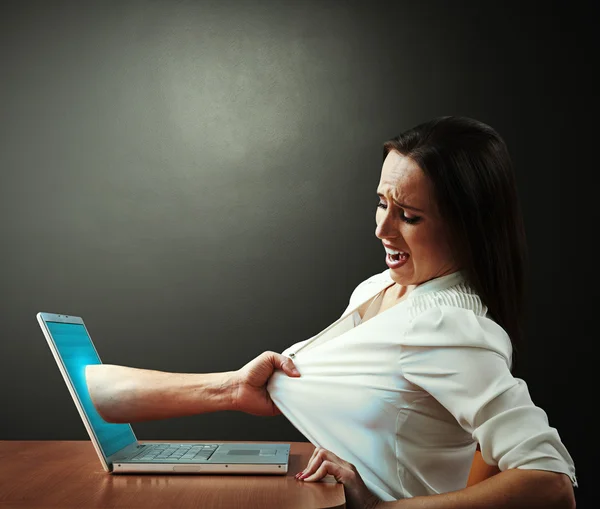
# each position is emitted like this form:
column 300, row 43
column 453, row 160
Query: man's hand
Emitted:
column 249, row 385
column 324, row 462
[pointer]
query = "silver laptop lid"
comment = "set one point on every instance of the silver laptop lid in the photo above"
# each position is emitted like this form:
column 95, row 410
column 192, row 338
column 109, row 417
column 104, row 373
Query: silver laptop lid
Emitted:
column 73, row 350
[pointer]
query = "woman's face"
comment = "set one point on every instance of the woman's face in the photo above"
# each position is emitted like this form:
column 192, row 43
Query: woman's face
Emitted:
column 408, row 221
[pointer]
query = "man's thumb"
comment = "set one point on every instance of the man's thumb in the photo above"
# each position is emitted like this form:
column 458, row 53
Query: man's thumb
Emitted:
column 288, row 367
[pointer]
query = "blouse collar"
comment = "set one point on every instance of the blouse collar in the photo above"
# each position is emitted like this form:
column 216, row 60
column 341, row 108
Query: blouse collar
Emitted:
column 437, row 284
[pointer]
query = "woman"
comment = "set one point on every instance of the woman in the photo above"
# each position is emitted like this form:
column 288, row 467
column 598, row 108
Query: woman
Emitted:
column 417, row 372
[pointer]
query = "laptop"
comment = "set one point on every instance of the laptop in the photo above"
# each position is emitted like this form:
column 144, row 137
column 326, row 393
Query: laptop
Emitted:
column 116, row 444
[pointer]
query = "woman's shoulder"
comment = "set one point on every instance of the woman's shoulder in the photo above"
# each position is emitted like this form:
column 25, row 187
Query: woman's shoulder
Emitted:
column 452, row 291
column 456, row 325
column 449, row 312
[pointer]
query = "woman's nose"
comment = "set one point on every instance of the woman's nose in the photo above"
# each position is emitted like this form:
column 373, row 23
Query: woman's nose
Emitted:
column 385, row 228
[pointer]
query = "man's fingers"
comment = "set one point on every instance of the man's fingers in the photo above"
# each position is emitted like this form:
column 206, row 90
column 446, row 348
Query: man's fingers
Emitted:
column 284, row 363
column 289, row 368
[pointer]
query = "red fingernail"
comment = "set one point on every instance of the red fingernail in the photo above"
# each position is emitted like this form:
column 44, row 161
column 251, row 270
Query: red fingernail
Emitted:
column 302, row 476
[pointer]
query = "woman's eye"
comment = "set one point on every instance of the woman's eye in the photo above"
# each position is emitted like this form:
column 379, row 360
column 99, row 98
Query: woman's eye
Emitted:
column 410, row 220
column 406, row 219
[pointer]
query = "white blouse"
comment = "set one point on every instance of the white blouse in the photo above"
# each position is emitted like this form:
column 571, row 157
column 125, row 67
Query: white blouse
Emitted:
column 407, row 395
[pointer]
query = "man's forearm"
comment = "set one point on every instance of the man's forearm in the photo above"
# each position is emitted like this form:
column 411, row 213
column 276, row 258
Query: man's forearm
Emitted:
column 123, row 394
column 511, row 489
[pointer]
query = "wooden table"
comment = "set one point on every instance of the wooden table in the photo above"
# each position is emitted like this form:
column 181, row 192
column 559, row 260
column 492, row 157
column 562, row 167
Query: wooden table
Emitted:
column 68, row 475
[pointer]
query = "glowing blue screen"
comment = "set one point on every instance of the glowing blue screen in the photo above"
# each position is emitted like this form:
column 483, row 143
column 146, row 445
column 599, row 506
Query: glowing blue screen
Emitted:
column 76, row 351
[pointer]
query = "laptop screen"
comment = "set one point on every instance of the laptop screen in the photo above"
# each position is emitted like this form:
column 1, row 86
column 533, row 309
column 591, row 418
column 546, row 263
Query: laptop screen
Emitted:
column 76, row 351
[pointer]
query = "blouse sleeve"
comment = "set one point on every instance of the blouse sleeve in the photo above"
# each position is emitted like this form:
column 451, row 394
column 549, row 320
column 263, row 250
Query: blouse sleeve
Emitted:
column 463, row 361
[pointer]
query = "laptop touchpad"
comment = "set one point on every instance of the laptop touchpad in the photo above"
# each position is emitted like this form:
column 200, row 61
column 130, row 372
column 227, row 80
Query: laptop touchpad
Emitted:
column 244, row 452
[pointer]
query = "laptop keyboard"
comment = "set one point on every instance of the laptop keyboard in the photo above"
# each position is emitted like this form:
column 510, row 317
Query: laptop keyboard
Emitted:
column 175, row 452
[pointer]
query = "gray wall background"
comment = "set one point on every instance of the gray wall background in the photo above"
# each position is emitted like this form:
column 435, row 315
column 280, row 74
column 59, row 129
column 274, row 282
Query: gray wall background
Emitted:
column 197, row 180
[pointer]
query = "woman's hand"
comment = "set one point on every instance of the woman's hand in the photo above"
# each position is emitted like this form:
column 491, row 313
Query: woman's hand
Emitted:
column 324, row 462
column 249, row 384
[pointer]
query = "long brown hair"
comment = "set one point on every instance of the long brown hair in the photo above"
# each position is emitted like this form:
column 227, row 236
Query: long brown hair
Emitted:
column 475, row 189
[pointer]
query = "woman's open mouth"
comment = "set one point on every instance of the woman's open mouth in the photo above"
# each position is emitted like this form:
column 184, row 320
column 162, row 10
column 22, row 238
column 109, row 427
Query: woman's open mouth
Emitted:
column 395, row 259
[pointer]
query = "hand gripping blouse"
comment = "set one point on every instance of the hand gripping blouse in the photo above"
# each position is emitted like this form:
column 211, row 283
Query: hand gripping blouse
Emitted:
column 407, row 395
